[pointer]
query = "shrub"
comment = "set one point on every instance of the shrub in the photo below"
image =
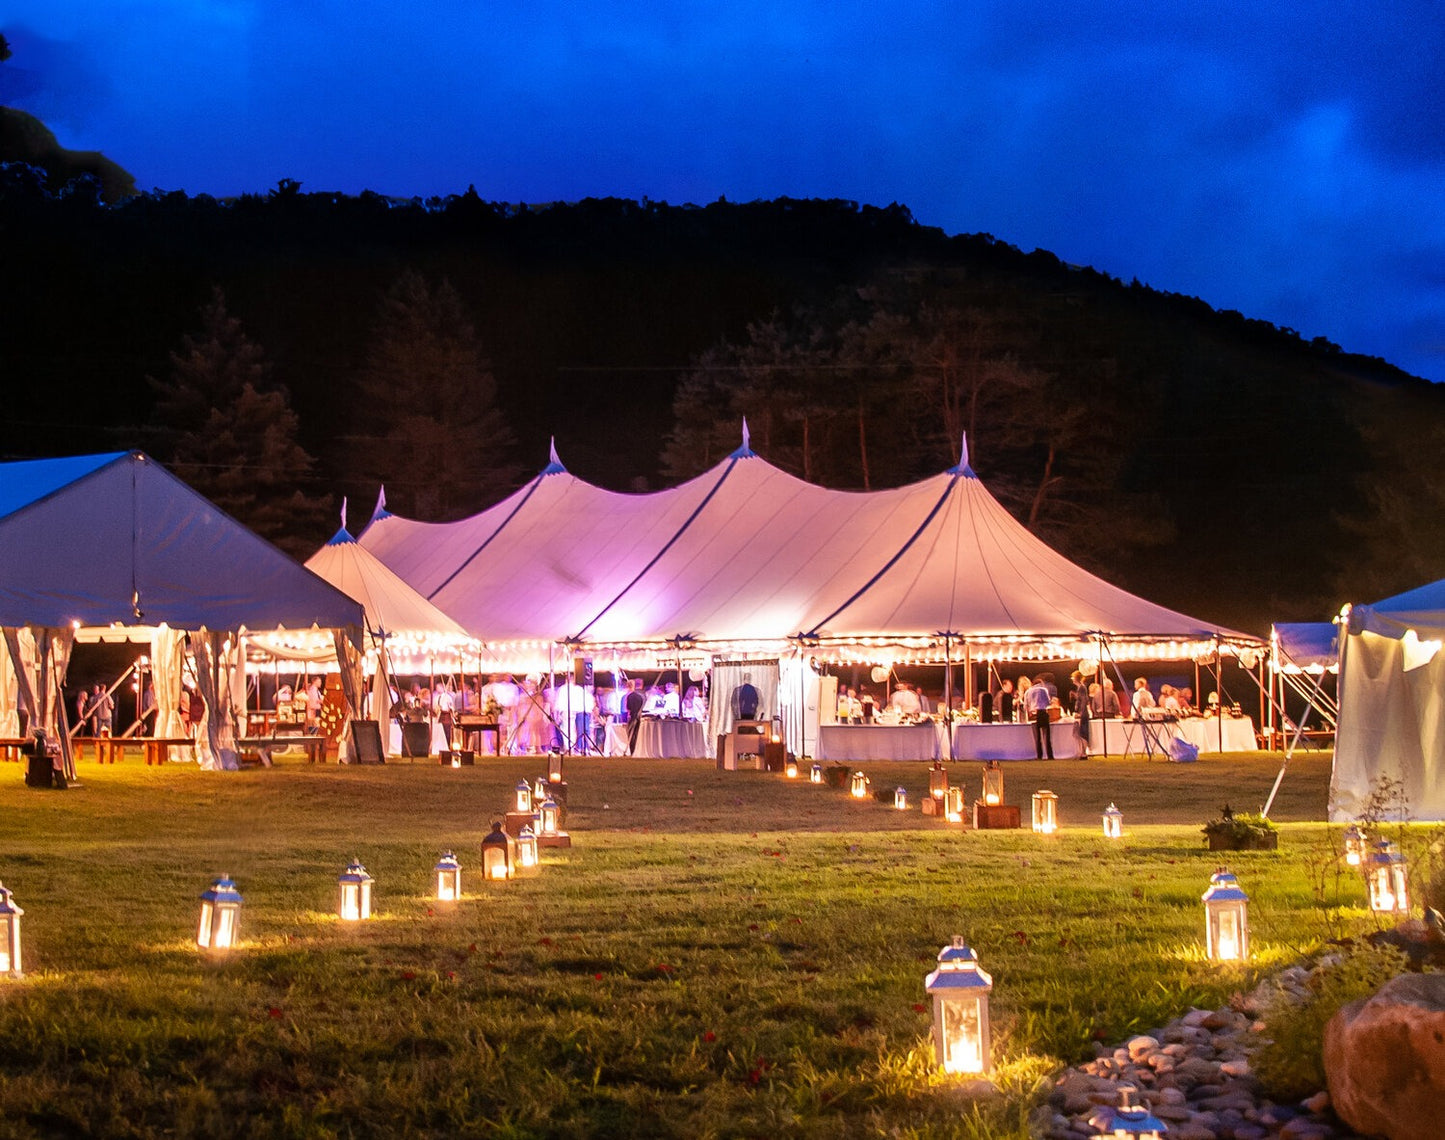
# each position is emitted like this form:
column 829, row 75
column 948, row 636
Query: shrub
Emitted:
column 1290, row 1064
column 1240, row 831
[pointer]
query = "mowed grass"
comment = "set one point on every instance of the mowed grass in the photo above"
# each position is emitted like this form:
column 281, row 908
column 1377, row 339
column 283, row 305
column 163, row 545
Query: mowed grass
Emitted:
column 720, row 954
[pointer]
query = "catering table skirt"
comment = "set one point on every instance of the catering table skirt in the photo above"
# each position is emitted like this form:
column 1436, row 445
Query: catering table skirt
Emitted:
column 878, row 742
column 1010, row 741
column 1207, row 733
column 438, row 739
column 668, row 739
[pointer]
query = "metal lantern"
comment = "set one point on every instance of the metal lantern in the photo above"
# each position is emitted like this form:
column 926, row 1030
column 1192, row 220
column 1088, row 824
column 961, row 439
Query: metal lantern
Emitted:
column 354, row 888
column 497, row 854
column 860, row 785
column 220, row 912
column 449, row 878
column 1113, row 823
column 528, row 860
column 960, row 990
column 815, row 775
column 539, row 792
column 1354, row 845
column 900, row 798
column 1129, row 1120
column 1046, row 812
column 1226, row 919
column 1386, row 879
column 938, row 780
column 551, row 816
column 992, row 784
column 790, row 768
column 953, row 804
column 524, row 796
column 554, row 768
column 9, row 934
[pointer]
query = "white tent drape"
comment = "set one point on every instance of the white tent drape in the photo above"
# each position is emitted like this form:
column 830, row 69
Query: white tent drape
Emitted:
column 168, row 657
column 726, row 677
column 9, row 695
column 44, row 656
column 216, row 740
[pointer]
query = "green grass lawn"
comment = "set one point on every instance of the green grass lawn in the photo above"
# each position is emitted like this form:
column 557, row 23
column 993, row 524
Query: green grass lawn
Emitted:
column 720, row 954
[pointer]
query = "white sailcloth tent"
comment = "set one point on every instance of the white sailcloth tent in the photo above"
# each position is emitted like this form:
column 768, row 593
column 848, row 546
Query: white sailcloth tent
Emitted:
column 1392, row 705
column 116, row 546
column 747, row 559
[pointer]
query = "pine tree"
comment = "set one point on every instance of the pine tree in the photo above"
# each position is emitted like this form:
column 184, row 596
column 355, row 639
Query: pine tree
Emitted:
column 431, row 432
column 231, row 434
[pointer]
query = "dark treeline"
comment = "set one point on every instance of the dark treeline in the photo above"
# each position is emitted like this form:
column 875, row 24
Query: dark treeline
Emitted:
column 282, row 350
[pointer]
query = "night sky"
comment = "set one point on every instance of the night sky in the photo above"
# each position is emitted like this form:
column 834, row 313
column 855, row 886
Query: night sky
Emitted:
column 1283, row 159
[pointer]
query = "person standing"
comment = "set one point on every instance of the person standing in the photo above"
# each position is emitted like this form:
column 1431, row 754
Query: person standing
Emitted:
column 1005, row 702
column 1079, row 696
column 632, row 706
column 102, row 712
column 746, row 699
column 1143, row 698
column 1036, row 707
column 82, row 711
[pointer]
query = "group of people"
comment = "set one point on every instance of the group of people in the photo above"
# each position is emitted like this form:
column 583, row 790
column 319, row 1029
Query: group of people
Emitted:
column 95, row 711
column 859, row 706
column 533, row 718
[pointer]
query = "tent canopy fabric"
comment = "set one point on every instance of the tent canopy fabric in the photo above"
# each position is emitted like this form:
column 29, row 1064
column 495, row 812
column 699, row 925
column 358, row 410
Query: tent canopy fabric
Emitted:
column 1308, row 645
column 1392, row 707
column 116, row 539
column 747, row 555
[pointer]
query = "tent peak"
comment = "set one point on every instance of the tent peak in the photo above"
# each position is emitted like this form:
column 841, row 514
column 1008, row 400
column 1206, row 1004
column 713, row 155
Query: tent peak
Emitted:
column 962, row 467
column 745, row 451
column 341, row 537
column 381, row 512
column 554, row 464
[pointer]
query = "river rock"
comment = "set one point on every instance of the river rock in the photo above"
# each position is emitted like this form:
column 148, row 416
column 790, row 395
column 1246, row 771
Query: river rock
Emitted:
column 1384, row 1059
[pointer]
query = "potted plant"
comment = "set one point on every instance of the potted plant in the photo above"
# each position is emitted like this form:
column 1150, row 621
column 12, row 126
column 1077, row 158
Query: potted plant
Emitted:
column 1241, row 832
column 837, row 775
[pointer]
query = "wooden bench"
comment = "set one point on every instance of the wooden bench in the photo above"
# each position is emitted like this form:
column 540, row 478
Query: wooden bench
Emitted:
column 10, row 747
column 314, row 746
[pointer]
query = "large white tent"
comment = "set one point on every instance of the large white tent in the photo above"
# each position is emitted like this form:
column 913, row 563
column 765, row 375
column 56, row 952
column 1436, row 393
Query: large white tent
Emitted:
column 747, row 559
column 1392, row 706
column 116, row 546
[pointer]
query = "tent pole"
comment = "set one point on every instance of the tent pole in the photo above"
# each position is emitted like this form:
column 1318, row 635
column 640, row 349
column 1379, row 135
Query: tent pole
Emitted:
column 948, row 675
column 1104, row 718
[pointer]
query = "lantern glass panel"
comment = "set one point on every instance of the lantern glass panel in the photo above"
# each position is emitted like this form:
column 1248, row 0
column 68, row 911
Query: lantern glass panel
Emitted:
column 449, row 878
column 992, row 785
column 938, row 781
column 960, row 992
column 1354, row 846
column 220, row 914
column 9, row 934
column 860, row 785
column 1386, row 878
column 527, row 858
column 953, row 811
column 549, row 816
column 524, row 796
column 1113, row 823
column 354, row 885
column 1226, row 919
column 900, row 798
column 1046, row 812
column 815, row 775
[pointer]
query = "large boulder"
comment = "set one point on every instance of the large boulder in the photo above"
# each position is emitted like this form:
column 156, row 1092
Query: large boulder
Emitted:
column 1384, row 1060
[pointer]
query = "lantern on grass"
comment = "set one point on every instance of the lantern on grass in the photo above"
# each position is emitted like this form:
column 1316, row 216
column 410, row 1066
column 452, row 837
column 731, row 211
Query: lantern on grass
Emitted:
column 539, row 792
column 551, row 821
column 938, row 780
column 900, row 798
column 1226, row 919
column 1129, row 1120
column 497, row 854
column 815, row 774
column 960, row 990
column 528, row 861
column 790, row 768
column 220, row 912
column 449, row 878
column 953, row 804
column 9, row 934
column 354, row 887
column 1386, row 879
column 859, row 785
column 1354, row 845
column 524, row 796
column 992, row 784
column 1046, row 812
column 1113, row 823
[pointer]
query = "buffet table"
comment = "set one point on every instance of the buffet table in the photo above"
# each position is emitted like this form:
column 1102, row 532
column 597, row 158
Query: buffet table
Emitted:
column 1008, row 741
column 878, row 742
column 1207, row 733
column 665, row 739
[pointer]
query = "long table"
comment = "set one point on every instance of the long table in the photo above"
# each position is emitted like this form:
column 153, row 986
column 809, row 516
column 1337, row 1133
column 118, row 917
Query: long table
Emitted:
column 668, row 738
column 1207, row 733
column 1010, row 741
column 878, row 742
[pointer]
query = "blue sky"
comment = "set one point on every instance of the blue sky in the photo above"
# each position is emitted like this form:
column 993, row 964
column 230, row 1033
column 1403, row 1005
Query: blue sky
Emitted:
column 1285, row 160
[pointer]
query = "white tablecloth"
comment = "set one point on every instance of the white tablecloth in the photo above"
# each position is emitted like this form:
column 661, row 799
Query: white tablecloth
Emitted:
column 667, row 739
column 1009, row 741
column 878, row 742
column 1208, row 734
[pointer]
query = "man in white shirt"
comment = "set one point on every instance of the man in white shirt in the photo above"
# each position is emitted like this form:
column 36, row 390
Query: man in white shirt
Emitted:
column 1143, row 698
column 905, row 701
column 1036, row 706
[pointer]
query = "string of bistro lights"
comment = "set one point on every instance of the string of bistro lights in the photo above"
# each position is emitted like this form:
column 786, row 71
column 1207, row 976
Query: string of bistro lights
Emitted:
column 959, row 987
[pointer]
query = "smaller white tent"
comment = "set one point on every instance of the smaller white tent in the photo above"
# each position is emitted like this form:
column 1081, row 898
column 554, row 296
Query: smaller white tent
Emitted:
column 1392, row 706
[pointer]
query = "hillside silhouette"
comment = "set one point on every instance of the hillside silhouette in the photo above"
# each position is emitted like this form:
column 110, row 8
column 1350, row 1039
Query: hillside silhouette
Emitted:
column 1215, row 463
